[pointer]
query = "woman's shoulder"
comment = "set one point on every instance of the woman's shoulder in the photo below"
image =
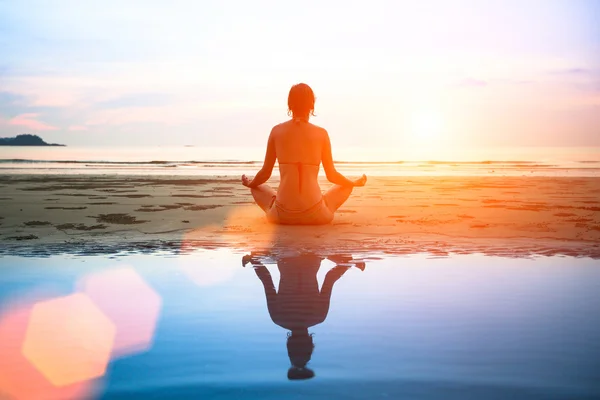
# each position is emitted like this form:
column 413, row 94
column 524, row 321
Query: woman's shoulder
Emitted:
column 281, row 126
column 317, row 127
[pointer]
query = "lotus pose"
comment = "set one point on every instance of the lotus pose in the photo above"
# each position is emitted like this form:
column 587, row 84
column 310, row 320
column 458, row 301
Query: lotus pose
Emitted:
column 300, row 147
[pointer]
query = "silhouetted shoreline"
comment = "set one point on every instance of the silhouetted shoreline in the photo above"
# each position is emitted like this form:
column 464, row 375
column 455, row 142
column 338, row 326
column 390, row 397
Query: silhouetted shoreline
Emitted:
column 27, row 140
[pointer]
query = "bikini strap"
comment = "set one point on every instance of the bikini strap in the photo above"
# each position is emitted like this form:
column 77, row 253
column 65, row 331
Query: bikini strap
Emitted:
column 299, row 165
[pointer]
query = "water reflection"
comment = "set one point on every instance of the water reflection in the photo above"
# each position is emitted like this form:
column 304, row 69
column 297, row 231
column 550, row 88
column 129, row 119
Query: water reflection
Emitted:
column 456, row 327
column 299, row 304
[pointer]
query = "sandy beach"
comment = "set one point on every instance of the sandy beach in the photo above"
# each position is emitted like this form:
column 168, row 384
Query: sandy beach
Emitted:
column 508, row 216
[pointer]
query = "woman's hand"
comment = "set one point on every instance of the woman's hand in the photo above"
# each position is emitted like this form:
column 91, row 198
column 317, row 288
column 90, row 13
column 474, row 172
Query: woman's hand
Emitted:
column 360, row 181
column 246, row 181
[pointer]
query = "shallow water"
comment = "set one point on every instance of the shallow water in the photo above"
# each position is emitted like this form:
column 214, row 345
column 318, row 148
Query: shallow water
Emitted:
column 466, row 326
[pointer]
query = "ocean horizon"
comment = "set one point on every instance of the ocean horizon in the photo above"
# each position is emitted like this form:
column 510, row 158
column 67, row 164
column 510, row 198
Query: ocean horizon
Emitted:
column 229, row 161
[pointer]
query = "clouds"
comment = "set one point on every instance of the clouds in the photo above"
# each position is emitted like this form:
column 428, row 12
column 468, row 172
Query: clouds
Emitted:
column 112, row 71
column 30, row 123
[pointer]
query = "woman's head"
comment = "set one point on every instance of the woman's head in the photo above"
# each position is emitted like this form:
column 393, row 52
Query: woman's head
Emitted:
column 295, row 374
column 300, row 347
column 301, row 101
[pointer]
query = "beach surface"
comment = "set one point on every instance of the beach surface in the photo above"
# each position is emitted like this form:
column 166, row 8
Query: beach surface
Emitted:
column 104, row 214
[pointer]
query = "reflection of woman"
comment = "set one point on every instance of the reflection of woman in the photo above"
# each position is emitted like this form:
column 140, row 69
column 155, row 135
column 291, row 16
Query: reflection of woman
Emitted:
column 300, row 147
column 299, row 304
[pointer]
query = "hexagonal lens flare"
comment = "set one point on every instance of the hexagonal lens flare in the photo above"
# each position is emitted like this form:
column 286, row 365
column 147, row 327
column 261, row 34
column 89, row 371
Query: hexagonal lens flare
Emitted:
column 21, row 380
column 130, row 303
column 69, row 339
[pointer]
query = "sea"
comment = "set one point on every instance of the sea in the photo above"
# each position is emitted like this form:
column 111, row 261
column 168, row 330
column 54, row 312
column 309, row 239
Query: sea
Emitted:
column 230, row 161
column 237, row 323
column 226, row 324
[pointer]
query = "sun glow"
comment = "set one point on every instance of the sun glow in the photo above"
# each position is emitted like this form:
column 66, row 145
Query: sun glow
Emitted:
column 426, row 125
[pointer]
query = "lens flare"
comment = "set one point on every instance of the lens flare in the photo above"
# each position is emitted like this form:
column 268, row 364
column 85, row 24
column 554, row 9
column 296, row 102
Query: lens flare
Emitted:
column 130, row 303
column 69, row 339
column 19, row 378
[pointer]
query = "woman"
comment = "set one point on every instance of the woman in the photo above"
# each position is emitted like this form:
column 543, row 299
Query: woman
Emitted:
column 300, row 148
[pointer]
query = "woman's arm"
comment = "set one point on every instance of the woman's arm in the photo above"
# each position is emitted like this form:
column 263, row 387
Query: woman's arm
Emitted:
column 331, row 173
column 265, row 172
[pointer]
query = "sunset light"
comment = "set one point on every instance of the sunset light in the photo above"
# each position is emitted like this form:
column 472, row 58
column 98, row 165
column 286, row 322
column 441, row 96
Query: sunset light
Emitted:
column 319, row 199
column 426, row 126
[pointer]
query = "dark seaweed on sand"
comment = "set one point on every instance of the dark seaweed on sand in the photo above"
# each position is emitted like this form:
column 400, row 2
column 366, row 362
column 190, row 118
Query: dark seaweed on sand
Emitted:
column 24, row 237
column 65, row 208
column 202, row 207
column 123, row 219
column 37, row 223
column 80, row 227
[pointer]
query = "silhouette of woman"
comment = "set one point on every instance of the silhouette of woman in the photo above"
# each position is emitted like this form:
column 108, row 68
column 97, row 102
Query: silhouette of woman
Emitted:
column 299, row 304
column 300, row 147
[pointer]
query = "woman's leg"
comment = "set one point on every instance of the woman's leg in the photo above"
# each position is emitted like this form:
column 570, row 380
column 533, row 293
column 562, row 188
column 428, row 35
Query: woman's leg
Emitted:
column 263, row 195
column 336, row 196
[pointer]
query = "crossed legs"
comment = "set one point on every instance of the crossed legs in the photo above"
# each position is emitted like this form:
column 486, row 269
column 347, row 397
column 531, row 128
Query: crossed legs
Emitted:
column 263, row 195
column 334, row 197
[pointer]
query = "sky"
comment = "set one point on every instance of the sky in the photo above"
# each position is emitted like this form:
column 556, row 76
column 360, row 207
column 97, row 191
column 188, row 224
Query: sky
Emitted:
column 217, row 73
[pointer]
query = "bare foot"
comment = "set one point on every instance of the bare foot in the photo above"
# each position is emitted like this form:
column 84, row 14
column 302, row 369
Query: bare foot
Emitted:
column 246, row 259
column 361, row 181
column 245, row 181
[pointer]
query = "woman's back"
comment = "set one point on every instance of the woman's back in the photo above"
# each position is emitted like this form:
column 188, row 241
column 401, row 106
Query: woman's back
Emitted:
column 299, row 146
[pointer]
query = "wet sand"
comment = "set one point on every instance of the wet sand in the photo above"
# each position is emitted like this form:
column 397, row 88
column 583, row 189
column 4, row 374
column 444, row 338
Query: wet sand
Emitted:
column 508, row 216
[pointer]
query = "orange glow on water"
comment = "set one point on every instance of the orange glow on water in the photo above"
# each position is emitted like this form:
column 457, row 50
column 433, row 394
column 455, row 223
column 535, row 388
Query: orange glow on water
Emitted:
column 69, row 339
column 19, row 378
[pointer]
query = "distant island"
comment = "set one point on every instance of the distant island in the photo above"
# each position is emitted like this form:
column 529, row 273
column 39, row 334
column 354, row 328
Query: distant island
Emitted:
column 26, row 140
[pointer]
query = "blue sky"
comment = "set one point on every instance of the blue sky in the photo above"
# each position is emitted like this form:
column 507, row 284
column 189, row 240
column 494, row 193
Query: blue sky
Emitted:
column 386, row 73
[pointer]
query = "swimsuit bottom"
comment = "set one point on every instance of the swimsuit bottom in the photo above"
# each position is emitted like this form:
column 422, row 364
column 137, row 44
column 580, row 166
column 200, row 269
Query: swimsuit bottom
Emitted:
column 319, row 214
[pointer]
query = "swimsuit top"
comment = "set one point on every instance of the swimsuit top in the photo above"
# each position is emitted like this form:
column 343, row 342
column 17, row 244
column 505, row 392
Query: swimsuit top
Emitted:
column 299, row 166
